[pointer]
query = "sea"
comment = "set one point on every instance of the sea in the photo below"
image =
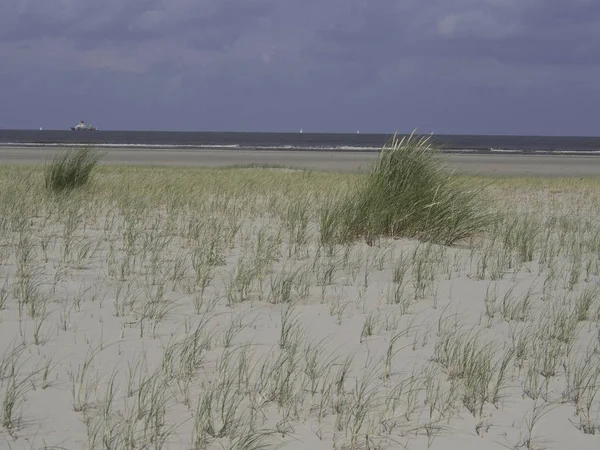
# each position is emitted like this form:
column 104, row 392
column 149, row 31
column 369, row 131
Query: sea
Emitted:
column 296, row 141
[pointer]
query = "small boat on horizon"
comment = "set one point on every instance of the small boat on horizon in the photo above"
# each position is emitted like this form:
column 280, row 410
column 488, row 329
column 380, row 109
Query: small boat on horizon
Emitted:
column 81, row 126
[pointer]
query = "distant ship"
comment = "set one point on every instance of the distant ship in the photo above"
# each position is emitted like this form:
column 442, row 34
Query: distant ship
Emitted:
column 81, row 126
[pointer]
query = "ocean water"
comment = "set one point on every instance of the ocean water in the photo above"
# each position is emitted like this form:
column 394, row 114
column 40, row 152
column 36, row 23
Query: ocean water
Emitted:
column 296, row 141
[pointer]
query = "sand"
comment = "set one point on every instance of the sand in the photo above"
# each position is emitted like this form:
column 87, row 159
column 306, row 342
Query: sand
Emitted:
column 500, row 164
column 169, row 309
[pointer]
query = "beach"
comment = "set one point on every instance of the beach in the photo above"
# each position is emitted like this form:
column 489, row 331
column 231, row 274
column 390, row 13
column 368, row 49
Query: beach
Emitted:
column 171, row 305
column 499, row 164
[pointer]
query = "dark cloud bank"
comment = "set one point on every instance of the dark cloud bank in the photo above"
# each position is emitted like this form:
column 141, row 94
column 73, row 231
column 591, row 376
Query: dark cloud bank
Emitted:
column 466, row 66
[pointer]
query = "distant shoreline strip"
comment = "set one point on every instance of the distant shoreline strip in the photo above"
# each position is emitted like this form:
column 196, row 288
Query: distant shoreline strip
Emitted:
column 341, row 148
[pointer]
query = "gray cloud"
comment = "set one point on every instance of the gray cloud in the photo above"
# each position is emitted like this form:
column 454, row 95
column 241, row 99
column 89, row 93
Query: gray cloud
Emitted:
column 508, row 30
column 316, row 56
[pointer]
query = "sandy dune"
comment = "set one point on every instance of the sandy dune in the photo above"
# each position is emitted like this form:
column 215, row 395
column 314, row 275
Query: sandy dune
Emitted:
column 182, row 309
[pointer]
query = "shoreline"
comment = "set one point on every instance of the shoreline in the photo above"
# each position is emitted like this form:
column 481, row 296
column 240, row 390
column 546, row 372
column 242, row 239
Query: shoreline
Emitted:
column 293, row 148
column 489, row 164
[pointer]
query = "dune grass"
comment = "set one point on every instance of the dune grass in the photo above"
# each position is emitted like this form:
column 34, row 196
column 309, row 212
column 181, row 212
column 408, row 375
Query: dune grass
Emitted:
column 410, row 194
column 71, row 169
column 198, row 308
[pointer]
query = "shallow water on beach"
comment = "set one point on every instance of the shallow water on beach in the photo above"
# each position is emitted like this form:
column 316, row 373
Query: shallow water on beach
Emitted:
column 297, row 141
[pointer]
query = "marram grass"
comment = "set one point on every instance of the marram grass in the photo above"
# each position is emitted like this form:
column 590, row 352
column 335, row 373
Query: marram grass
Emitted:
column 71, row 169
column 410, row 194
column 222, row 277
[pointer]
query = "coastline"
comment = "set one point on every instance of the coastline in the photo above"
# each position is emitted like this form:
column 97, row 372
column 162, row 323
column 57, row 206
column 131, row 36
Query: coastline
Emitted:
column 466, row 163
column 296, row 148
column 294, row 141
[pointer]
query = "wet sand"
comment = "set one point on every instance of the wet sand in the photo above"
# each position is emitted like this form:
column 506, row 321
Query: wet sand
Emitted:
column 336, row 161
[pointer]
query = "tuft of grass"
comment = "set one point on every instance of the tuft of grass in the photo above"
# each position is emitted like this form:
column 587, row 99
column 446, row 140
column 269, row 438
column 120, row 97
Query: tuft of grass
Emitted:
column 71, row 169
column 409, row 193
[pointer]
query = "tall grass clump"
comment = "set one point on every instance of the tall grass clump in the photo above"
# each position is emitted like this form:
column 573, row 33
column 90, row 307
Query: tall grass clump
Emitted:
column 409, row 193
column 71, row 169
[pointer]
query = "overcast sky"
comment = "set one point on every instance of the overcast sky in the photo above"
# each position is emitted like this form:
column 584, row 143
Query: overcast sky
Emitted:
column 442, row 66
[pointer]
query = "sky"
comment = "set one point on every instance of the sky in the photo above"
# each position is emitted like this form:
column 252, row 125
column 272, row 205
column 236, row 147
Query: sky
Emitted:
column 439, row 66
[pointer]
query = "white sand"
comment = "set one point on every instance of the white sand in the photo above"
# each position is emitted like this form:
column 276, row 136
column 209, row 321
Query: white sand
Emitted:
column 103, row 300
